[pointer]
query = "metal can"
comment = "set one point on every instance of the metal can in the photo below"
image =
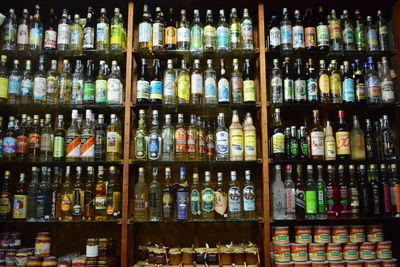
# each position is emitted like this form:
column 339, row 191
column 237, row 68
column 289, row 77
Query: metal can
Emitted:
column 389, row 263
column 372, row 263
column 384, row 250
column 334, row 252
column 320, row 264
column 354, row 263
column 375, row 233
column 302, row 264
column 299, row 252
column 367, row 251
column 316, row 252
column 350, row 251
column 357, row 233
column 322, row 234
column 281, row 253
column 303, row 234
column 337, row 264
column 340, row 234
column 280, row 235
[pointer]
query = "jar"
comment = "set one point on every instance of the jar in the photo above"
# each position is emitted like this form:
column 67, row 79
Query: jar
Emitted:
column 103, row 249
column 340, row 234
column 280, row 235
column 299, row 252
column 42, row 245
column 334, row 252
column 91, row 264
column 15, row 240
column 251, row 256
column 303, row 234
column 10, row 257
column 225, row 255
column 22, row 257
column 350, row 251
column 160, row 255
column 4, row 240
column 92, row 249
column 174, row 256
column 367, row 251
column 281, row 253
column 212, row 257
column 103, row 264
column 357, row 234
column 199, row 257
column 375, row 233
column 283, row 264
column 238, row 255
column 320, row 264
column 316, row 252
column 188, row 256
column 49, row 262
column 337, row 263
column 354, row 263
column 384, row 250
column 322, row 234
column 389, row 263
column 34, row 262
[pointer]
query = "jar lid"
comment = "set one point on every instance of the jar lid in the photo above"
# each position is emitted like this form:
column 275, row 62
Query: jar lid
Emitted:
column 44, row 234
column 91, row 240
column 33, row 259
column 103, row 262
column 51, row 258
column 91, row 262
column 103, row 239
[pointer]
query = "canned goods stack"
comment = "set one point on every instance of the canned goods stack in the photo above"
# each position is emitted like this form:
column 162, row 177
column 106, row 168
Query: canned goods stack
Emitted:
column 331, row 246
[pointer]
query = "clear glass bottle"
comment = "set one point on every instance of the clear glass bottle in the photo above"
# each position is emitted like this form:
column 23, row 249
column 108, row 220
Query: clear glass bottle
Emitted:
column 192, row 139
column 67, row 196
column 183, row 36
column 236, row 83
column 236, row 138
column 247, row 31
column 32, row 195
column 372, row 35
column 168, row 139
column 101, row 85
column 64, row 32
column 76, row 39
column 36, row 31
column 87, row 138
column 210, row 84
column 224, row 96
column 357, row 141
column 289, row 192
column 116, row 34
column 114, row 140
column 156, row 84
column 155, row 198
column 167, row 197
column 77, row 205
column 158, row 31
column 65, row 83
column 103, row 31
column 73, row 139
column 235, row 38
column 180, row 139
column 26, row 84
column 278, row 201
column 47, row 140
column 145, row 31
column 140, row 139
column 210, row 33
column 78, row 93
column 39, row 83
column 23, row 31
column 250, row 139
column 234, row 198
column 196, row 33
column 207, row 198
column 222, row 139
column 183, row 84
column 154, row 139
column 276, row 83
column 197, row 85
column 100, row 139
column 249, row 197
column 387, row 86
column 223, row 33
column 14, row 84
column 100, row 196
column 115, row 88
column 170, row 84
column 53, row 88
column 286, row 31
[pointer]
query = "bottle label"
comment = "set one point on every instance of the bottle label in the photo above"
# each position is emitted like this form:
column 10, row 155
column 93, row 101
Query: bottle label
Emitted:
column 354, row 200
column 223, row 90
column 288, row 87
column 3, row 87
column 59, row 147
column 114, row 91
column 183, row 35
column 249, row 198
column 359, row 35
column 195, row 202
column 317, row 143
column 22, row 145
column 250, row 149
column 167, row 204
column 76, row 38
column 23, row 33
column 170, row 36
column 202, row 143
column 249, row 91
column 88, row 38
column 191, row 141
column 64, row 33
column 14, row 84
column 207, row 197
column 39, row 88
column 158, row 34
column 311, row 202
column 222, row 142
column 169, row 84
column 77, row 207
column 396, row 195
column 184, row 87
column 196, row 37
column 312, row 89
column 222, row 37
column 113, row 142
column 101, row 89
column 336, row 84
column 348, row 90
column 73, row 149
column 168, row 141
column 286, row 34
column 5, row 203
column 294, row 148
column 274, row 37
column 387, row 91
column 324, row 83
column 156, row 90
column 220, row 203
column 234, row 34
column 26, row 87
column 140, row 146
column 330, row 149
column 334, row 29
column 46, row 142
column 154, row 146
column 234, row 199
column 50, row 39
column 9, row 145
column 247, row 31
column 34, row 141
column 343, row 200
column 182, row 200
column 321, row 194
column 278, row 143
column 372, row 39
column 20, row 205
column 300, row 89
column 236, row 142
column 144, row 32
column 374, row 87
column 210, row 86
column 116, row 34
column 290, row 201
column 197, row 84
column 210, row 34
column 35, row 37
column 276, row 85
column 102, row 32
column 361, row 91
column 343, row 143
column 143, row 89
column 298, row 37
column 304, row 148
column 348, row 34
column 322, row 35
column 87, row 146
column 100, row 203
column 310, row 38
column 88, row 91
column 180, row 137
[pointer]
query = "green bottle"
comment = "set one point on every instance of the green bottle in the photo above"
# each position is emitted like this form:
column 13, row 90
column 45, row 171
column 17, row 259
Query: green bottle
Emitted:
column 196, row 33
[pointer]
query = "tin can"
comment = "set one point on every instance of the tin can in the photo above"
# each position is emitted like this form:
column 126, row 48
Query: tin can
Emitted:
column 350, row 251
column 372, row 263
column 389, row 263
column 281, row 253
column 354, row 263
column 375, row 233
column 367, row 251
column 322, row 234
column 357, row 233
column 337, row 264
column 320, row 264
column 316, row 252
column 384, row 250
column 299, row 252
column 303, row 234
column 340, row 234
column 334, row 252
column 280, row 235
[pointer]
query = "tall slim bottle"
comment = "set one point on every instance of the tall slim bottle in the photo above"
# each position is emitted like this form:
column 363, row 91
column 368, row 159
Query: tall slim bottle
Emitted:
column 195, row 199
column 14, row 84
column 59, row 139
column 155, row 198
column 154, row 139
column 53, row 88
column 298, row 32
column 311, row 195
column 249, row 197
column 103, row 31
column 167, row 197
column 23, row 31
column 330, row 144
column 192, row 139
column 197, row 85
column 26, row 84
column 196, row 33
column 114, row 140
column 100, row 196
column 220, row 199
column 223, row 33
column 322, row 31
column 278, row 205
column 168, row 139
column 321, row 194
column 250, row 139
column 183, row 84
column 20, row 199
column 335, row 32
column 67, row 196
column 222, row 140
column 317, row 138
column 290, row 195
column 156, row 84
column 357, row 141
column 145, row 31
column 383, row 32
column 87, row 138
column 286, row 31
column 73, row 139
column 224, row 95
column 348, row 32
column 359, row 32
column 387, row 86
column 64, row 32
column 235, row 39
column 234, row 198
column 76, row 40
column 210, row 84
column 354, row 196
column 39, row 83
column 183, row 35
column 247, row 31
column 170, row 84
column 89, row 30
column 182, row 197
column 36, row 31
column 276, row 83
column 210, row 33
column 236, row 138
column 170, row 32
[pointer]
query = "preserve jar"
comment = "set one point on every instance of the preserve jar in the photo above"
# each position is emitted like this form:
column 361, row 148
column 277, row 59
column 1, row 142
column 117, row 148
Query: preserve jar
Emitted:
column 42, row 245
column 104, row 249
column 251, row 255
column 34, row 262
column 49, row 262
column 160, row 255
column 15, row 240
column 103, row 264
column 212, row 257
column 174, row 256
column 92, row 249
column 225, row 255
column 10, row 257
column 187, row 256
column 200, row 256
column 21, row 257
column 238, row 255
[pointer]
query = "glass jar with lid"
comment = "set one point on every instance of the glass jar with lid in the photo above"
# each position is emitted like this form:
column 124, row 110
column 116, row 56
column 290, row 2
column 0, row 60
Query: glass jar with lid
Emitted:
column 42, row 245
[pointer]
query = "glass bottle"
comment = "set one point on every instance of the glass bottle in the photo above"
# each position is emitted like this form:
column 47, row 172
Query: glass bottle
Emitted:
column 388, row 148
column 102, row 31
column 298, row 32
column 348, row 32
column 116, row 33
column 3, row 80
column 65, row 83
column 114, row 140
column 77, row 205
column 154, row 139
column 385, row 191
column 59, row 140
column 249, row 197
column 87, row 138
column 10, row 140
column 210, row 33
column 210, row 84
column 278, row 137
column 365, row 202
column 101, row 85
column 372, row 35
column 78, row 94
column 143, row 84
column 304, row 143
column 274, row 34
column 115, row 90
column 76, row 39
column 249, row 88
column 113, row 199
column 335, row 32
column 236, row 138
column 360, row 88
column 311, row 82
column 330, row 144
column 322, row 31
column 210, row 142
column 234, row 198
column 183, row 36
column 354, row 196
column 39, row 83
column 67, row 196
column 395, row 191
column 170, row 32
column 53, row 89
column 311, row 198
column 145, row 31
column 56, row 196
column 359, row 32
column 180, row 139
column 64, row 32
column 34, row 140
column 26, row 84
column 288, row 83
column 383, row 32
column 73, row 139
column 158, row 31
column 357, row 141
column 317, row 138
column 100, row 196
column 195, row 199
column 23, row 31
column 36, row 31
column 310, row 39
column 278, row 201
column 32, row 195
column 236, row 83
column 222, row 139
column 300, row 94
column 250, row 140
column 140, row 139
column 321, row 194
column 14, row 84
column 47, row 141
column 182, row 197
column 247, row 31
column 192, row 139
column 387, row 86
column 100, row 139
column 88, row 195
column 370, row 141
column 289, row 195
column 22, row 140
column 374, row 188
column 323, row 83
column 88, row 91
column 6, row 200
column 207, row 198
column 196, row 33
column 348, row 84
column 332, row 194
column 89, row 31
column 156, row 84
column 335, row 83
column 286, row 31
column 201, row 136
column 155, row 198
column 223, row 86
column 169, row 78
column 235, row 38
column 197, row 85
column 183, row 82
column 276, row 83
column 220, row 199
column 343, row 139
column 167, row 197
column 223, row 33
column 344, row 208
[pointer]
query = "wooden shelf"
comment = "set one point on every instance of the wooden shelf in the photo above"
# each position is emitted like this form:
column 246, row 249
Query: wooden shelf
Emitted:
column 337, row 221
column 60, row 163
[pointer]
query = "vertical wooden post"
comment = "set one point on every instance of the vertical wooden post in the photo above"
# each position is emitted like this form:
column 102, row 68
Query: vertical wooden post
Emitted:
column 127, row 129
column 264, row 133
column 396, row 29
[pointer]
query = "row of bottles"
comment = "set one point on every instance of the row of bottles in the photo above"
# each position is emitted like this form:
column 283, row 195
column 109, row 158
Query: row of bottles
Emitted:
column 359, row 192
column 347, row 83
column 194, row 200
column 38, row 140
column 58, row 198
column 196, row 87
column 63, row 33
column 197, row 141
column 374, row 142
column 325, row 32
column 67, row 87
column 169, row 34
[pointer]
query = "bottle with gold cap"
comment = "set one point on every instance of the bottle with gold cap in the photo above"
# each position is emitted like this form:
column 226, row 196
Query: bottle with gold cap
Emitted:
column 114, row 140
column 40, row 83
column 46, row 140
column 116, row 30
column 167, row 197
column 102, row 30
column 88, row 195
column 5, row 198
column 22, row 139
column 59, row 140
column 235, row 31
column 100, row 193
column 53, row 89
column 250, row 139
column 26, row 84
column 113, row 200
column 195, row 199
column 65, row 83
column 34, row 139
column 236, row 139
column 141, row 198
column 247, row 31
column 76, row 40
column 67, row 196
column 207, row 198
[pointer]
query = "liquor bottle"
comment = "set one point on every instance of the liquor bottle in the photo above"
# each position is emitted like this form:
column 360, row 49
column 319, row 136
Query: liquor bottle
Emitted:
column 14, row 84
column 286, row 31
column 210, row 142
column 10, row 31
column 321, row 194
column 73, row 139
column 10, row 141
column 32, row 195
column 357, row 141
column 192, row 139
column 55, row 195
column 183, row 84
column 298, row 32
column 372, row 35
column 156, row 84
column 195, row 199
column 52, row 85
column 169, row 93
column 344, row 208
column 44, row 196
column 210, row 33
column 276, row 83
column 3, row 80
column 23, row 31
column 65, row 83
column 79, row 92
column 64, row 32
column 89, row 93
column 278, row 137
column 88, row 196
column 66, row 196
column 387, row 86
column 274, row 34
column 77, row 205
column 374, row 188
column 385, row 191
column 303, row 143
column 234, row 198
column 180, row 139
column 158, row 31
column 167, row 197
column 143, row 84
column 250, row 140
column 210, row 84
column 310, row 38
column 183, row 35
column 249, row 197
column 300, row 94
column 383, row 32
column 145, row 31
column 196, row 33
column 332, row 194
column 113, row 199
column 300, row 205
column 290, row 195
column 288, row 83
column 39, row 83
column 36, row 31
column 278, row 200
column 154, row 138
column 170, row 32
column 335, row 32
column 246, row 31
column 223, row 86
column 365, row 201
column 116, row 33
column 201, row 133
column 167, row 138
column 155, row 198
column 287, row 142
column 348, row 84
column 6, row 200
column 374, row 94
column 360, row 88
column 235, row 38
column 26, row 84
column 343, row 141
column 348, row 32
column 115, row 91
column 102, row 31
column 89, row 31
column 34, row 140
column 100, row 138
column 59, row 140
column 76, row 39
column 196, row 82
column 100, row 196
column 222, row 140
column 330, row 144
column 22, row 140
column 370, row 141
column 220, row 199
column 354, row 196
column 322, row 31
column 223, row 33
column 140, row 139
column 114, row 140
column 335, row 83
column 395, row 191
column 87, row 138
column 182, row 197
column 47, row 141
column 317, row 138
column 388, row 148
column 293, row 144
column 236, row 139
column 310, row 195
column 359, row 32
column 249, row 88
